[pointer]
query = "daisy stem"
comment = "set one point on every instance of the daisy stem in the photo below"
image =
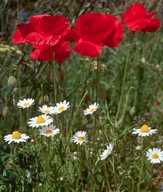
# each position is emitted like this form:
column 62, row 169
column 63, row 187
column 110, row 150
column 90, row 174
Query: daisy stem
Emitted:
column 94, row 131
column 113, row 167
column 124, row 79
column 141, row 173
column 106, row 177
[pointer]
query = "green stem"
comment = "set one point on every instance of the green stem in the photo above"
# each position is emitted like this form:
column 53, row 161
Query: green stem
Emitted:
column 126, row 103
column 54, row 82
column 6, row 73
column 55, row 90
column 106, row 178
column 141, row 174
column 78, row 107
column 94, row 131
column 124, row 79
column 20, row 110
column 97, row 79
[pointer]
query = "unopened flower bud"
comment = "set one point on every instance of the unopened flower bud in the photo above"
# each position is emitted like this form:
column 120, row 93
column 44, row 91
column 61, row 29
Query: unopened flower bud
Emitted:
column 102, row 94
column 61, row 75
column 5, row 111
column 143, row 60
column 12, row 82
column 41, row 100
column 46, row 99
column 132, row 111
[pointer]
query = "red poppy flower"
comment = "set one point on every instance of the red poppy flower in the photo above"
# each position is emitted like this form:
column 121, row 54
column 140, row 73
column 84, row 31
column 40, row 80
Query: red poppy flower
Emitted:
column 58, row 52
column 45, row 33
column 137, row 18
column 94, row 31
column 42, row 29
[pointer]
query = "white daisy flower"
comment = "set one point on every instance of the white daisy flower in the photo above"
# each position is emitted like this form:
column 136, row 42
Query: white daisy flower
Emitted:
column 48, row 131
column 107, row 152
column 155, row 155
column 41, row 120
column 80, row 137
column 25, row 103
column 47, row 110
column 144, row 131
column 62, row 106
column 91, row 109
column 16, row 137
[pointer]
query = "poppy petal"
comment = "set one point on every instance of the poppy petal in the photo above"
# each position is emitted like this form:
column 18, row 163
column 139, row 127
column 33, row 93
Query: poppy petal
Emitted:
column 58, row 52
column 38, row 38
column 99, row 29
column 93, row 27
column 134, row 12
column 62, row 51
column 88, row 48
column 54, row 25
column 22, row 31
column 35, row 22
column 115, row 33
column 152, row 26
column 71, row 36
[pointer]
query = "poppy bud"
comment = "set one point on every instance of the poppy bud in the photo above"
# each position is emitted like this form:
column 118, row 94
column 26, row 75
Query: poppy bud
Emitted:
column 5, row 111
column 61, row 75
column 158, row 103
column 132, row 111
column 102, row 94
column 41, row 100
column 46, row 99
column 12, row 82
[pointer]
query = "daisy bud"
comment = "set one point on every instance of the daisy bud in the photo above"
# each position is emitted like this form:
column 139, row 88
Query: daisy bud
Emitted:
column 12, row 82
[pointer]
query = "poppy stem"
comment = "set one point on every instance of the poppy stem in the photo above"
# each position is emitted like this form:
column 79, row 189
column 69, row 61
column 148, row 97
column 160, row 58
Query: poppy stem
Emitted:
column 54, row 82
column 19, row 95
column 97, row 78
column 124, row 79
column 54, row 89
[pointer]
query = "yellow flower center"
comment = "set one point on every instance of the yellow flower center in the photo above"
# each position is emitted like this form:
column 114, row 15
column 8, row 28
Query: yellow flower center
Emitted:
column 49, row 132
column 16, row 135
column 144, row 128
column 26, row 104
column 80, row 139
column 40, row 120
column 61, row 108
column 155, row 156
column 92, row 110
column 47, row 111
column 109, row 152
